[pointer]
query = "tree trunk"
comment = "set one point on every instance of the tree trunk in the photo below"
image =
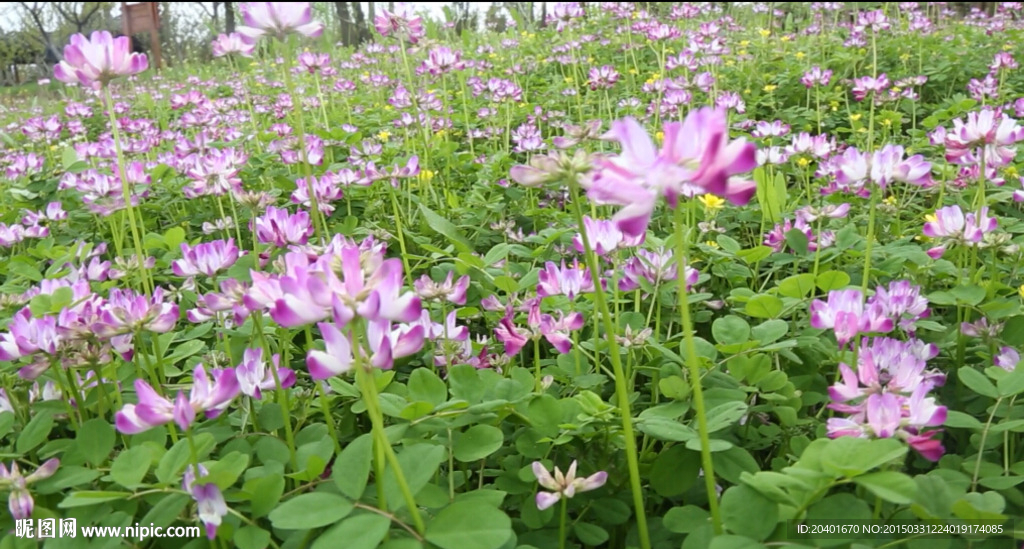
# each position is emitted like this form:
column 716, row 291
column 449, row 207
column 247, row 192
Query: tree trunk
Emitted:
column 344, row 22
column 361, row 31
column 229, row 17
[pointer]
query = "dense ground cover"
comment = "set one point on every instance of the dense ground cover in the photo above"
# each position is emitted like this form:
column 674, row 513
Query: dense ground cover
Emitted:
column 427, row 293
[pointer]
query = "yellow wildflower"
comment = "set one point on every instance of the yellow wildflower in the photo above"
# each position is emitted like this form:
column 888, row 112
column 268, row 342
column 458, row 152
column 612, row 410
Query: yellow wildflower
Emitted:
column 426, row 175
column 730, row 62
column 856, row 116
column 744, row 43
column 632, row 71
column 384, row 135
column 905, row 57
column 660, row 136
column 741, row 52
column 769, row 88
column 890, row 200
column 765, row 33
column 1020, row 291
column 784, row 39
column 712, row 203
column 803, row 162
column 711, row 243
column 800, row 55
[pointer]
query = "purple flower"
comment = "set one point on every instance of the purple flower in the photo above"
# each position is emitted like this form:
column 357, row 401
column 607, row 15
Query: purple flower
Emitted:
column 950, row 224
column 127, row 312
column 654, row 267
column 153, row 410
column 697, row 152
column 254, row 376
column 403, row 24
column 903, row 303
column 1008, row 358
column 568, row 281
column 233, row 43
column 20, row 501
column 566, row 485
column 816, row 77
column 208, row 258
column 442, row 60
column 556, row 330
column 210, row 505
column 866, row 85
column 337, row 359
column 987, row 134
column 604, row 236
column 278, row 19
column 886, row 397
column 447, row 290
column 97, row 60
column 846, row 314
column 882, row 167
column 280, row 229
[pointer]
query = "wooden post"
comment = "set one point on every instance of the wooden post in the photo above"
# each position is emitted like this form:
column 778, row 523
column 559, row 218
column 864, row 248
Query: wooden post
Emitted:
column 143, row 17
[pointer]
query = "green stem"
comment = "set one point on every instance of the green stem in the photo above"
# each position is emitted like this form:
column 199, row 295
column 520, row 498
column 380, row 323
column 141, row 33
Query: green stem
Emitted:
column 561, row 522
column 140, row 252
column 368, row 386
column 870, row 240
column 692, row 362
column 620, row 378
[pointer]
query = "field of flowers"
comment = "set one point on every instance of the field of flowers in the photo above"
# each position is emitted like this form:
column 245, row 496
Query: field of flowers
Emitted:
column 695, row 278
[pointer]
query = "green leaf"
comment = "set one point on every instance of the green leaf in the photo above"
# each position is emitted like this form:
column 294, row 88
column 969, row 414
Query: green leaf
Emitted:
column 95, row 440
column 226, row 470
column 468, row 525
column 85, row 499
column 130, row 467
column 977, row 382
column 1000, row 483
column 747, row 512
column 68, row 157
column 1011, row 384
column 675, row 471
column 763, row 306
column 175, row 460
column 971, row 295
column 309, row 511
column 797, row 286
column 797, row 240
column 446, row 229
column 266, row 493
column 506, row 284
column 251, row 537
column 173, row 238
column 849, row 456
column 419, row 463
column 359, row 532
column 351, row 469
column 734, row 542
column 892, row 486
column 666, row 429
column 958, row 419
column 424, row 385
column 728, row 244
column 685, row 519
column 832, row 280
column 730, row 329
column 590, row 534
column 478, row 442
column 769, row 331
column 724, row 415
column 35, row 432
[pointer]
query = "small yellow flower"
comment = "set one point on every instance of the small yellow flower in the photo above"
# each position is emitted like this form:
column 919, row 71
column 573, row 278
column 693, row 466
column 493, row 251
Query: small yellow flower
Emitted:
column 769, row 88
column 803, row 162
column 568, row 79
column 522, row 33
column 590, row 60
column 492, row 55
column 712, row 243
column 660, row 136
column 632, row 71
column 1020, row 291
column 855, row 117
column 744, row 43
column 711, row 202
column 387, row 107
column 834, row 105
column 905, row 57
column 784, row 39
column 1010, row 172
column 887, row 122
column 765, row 33
column 426, row 175
column 741, row 52
column 384, row 135
column 890, row 200
column 636, row 15
column 800, row 55
column 440, row 133
column 746, row 91
column 53, row 147
column 862, row 129
column 730, row 62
